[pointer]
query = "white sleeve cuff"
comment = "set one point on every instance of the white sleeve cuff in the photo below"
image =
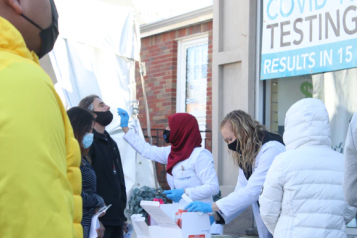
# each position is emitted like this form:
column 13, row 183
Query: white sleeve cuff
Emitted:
column 188, row 191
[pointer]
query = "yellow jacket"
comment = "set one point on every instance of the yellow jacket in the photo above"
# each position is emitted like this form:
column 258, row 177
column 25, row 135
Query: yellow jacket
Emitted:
column 40, row 180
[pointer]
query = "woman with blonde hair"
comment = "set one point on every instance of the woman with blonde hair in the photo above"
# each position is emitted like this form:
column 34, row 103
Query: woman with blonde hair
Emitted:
column 253, row 150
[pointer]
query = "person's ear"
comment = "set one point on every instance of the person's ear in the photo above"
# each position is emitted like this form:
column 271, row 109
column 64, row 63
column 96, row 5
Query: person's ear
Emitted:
column 15, row 5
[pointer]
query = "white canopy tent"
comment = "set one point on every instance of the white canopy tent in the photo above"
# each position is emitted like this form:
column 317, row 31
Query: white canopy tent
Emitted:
column 96, row 54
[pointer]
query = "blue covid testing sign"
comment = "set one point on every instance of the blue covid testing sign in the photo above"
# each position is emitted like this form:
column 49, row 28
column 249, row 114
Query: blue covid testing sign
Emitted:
column 307, row 37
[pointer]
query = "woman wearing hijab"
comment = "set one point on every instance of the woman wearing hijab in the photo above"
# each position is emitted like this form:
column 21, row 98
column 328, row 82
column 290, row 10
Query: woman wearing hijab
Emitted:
column 253, row 150
column 82, row 123
column 190, row 165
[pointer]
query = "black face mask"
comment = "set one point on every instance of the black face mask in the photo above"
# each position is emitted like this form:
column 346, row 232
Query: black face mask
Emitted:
column 50, row 34
column 104, row 118
column 235, row 146
column 167, row 136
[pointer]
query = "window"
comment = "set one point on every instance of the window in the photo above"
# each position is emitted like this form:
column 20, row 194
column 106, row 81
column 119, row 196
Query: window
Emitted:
column 284, row 92
column 196, row 80
column 192, row 78
column 335, row 89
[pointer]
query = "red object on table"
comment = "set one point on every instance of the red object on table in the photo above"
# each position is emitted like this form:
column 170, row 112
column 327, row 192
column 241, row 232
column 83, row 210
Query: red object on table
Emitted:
column 159, row 200
column 179, row 218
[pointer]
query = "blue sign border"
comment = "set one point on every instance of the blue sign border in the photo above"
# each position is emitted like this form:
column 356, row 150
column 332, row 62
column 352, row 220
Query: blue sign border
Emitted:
column 330, row 60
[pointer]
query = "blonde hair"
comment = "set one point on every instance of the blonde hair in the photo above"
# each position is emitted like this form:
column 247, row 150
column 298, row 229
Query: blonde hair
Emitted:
column 248, row 133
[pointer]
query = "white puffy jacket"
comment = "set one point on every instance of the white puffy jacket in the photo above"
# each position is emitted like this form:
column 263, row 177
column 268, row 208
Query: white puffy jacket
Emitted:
column 303, row 191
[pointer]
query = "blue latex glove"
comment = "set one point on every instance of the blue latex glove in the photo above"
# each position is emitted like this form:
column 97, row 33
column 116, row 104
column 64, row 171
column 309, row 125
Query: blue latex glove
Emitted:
column 124, row 117
column 211, row 219
column 175, row 194
column 198, row 206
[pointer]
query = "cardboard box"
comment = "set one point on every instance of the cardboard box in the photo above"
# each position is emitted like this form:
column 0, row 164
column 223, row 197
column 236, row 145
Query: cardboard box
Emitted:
column 194, row 225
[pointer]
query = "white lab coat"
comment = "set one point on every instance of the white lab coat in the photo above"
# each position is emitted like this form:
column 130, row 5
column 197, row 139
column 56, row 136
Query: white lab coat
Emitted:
column 196, row 174
column 247, row 192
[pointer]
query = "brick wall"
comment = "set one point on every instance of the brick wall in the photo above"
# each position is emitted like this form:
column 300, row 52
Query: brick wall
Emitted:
column 159, row 52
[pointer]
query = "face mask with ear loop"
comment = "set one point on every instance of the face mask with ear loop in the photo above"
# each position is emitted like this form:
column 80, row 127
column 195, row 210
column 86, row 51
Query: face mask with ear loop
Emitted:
column 104, row 118
column 235, row 146
column 48, row 35
column 166, row 136
column 88, row 140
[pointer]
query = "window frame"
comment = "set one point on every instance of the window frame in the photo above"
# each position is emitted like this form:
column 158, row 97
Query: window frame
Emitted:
column 183, row 45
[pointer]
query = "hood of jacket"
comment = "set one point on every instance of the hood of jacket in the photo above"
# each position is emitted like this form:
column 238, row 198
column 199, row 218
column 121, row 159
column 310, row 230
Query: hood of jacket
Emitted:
column 12, row 41
column 307, row 124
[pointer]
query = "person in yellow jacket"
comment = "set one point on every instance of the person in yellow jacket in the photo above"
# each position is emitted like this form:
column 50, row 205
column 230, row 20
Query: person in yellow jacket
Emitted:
column 40, row 180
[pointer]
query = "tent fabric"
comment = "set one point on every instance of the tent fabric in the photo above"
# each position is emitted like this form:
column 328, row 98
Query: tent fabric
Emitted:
column 101, row 25
column 102, row 62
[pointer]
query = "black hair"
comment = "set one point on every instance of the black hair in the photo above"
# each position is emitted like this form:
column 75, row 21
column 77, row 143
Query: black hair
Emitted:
column 82, row 122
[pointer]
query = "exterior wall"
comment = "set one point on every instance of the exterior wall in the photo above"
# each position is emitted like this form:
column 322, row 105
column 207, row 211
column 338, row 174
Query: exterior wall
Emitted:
column 159, row 52
column 234, row 60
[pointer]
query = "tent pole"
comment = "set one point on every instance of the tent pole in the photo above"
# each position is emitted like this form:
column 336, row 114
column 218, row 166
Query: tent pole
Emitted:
column 148, row 121
column 146, row 104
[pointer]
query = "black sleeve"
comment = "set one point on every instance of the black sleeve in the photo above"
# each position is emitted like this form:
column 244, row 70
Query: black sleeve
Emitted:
column 91, row 200
column 90, row 156
column 122, row 180
column 220, row 219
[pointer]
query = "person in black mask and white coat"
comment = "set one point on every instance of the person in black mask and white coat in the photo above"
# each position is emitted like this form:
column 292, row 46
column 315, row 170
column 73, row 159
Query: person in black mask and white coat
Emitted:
column 106, row 162
column 253, row 150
